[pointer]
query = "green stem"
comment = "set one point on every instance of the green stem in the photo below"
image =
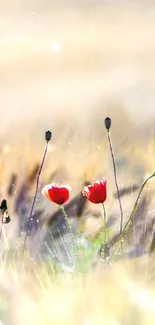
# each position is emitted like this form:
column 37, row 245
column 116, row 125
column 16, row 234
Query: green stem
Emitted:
column 70, row 234
column 129, row 222
column 104, row 232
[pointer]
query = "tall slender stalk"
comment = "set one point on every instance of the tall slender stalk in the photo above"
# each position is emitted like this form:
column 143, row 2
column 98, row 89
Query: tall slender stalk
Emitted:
column 128, row 224
column 116, row 182
column 47, row 137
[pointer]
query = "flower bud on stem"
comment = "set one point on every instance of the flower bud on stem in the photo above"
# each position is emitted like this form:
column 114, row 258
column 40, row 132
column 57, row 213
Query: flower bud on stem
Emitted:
column 47, row 138
column 108, row 125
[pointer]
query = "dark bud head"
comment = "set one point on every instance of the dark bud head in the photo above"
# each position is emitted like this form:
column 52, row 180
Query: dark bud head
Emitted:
column 107, row 123
column 48, row 136
column 3, row 205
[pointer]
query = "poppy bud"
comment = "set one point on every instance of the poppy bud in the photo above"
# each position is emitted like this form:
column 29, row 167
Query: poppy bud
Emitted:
column 48, row 135
column 107, row 122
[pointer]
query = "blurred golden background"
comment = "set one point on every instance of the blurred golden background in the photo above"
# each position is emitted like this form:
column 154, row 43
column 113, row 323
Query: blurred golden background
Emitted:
column 72, row 58
column 65, row 67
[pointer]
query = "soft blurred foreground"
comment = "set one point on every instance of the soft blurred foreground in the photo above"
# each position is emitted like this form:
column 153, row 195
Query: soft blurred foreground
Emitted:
column 65, row 69
column 122, row 294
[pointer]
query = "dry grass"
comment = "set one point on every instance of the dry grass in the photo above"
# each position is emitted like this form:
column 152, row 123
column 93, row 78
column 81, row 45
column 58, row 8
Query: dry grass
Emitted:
column 121, row 295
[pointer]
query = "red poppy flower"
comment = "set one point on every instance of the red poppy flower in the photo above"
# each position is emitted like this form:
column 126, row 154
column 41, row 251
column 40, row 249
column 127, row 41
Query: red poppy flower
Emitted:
column 97, row 192
column 57, row 193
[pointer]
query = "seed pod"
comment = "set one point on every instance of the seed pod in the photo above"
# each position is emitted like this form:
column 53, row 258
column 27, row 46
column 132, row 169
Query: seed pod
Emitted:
column 48, row 135
column 107, row 123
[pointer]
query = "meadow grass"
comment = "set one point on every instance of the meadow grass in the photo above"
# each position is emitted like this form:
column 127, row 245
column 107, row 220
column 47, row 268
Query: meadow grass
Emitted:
column 45, row 290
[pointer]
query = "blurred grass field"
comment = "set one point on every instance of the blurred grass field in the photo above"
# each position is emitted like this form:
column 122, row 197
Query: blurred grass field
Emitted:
column 66, row 69
column 39, row 294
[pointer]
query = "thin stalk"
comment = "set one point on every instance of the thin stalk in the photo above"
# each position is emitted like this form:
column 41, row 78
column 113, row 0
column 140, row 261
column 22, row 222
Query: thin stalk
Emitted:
column 128, row 224
column 34, row 199
column 1, row 231
column 104, row 232
column 70, row 234
column 116, row 182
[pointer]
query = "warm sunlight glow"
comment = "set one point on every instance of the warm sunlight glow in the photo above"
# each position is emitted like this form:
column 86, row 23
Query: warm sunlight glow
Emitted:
column 55, row 46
